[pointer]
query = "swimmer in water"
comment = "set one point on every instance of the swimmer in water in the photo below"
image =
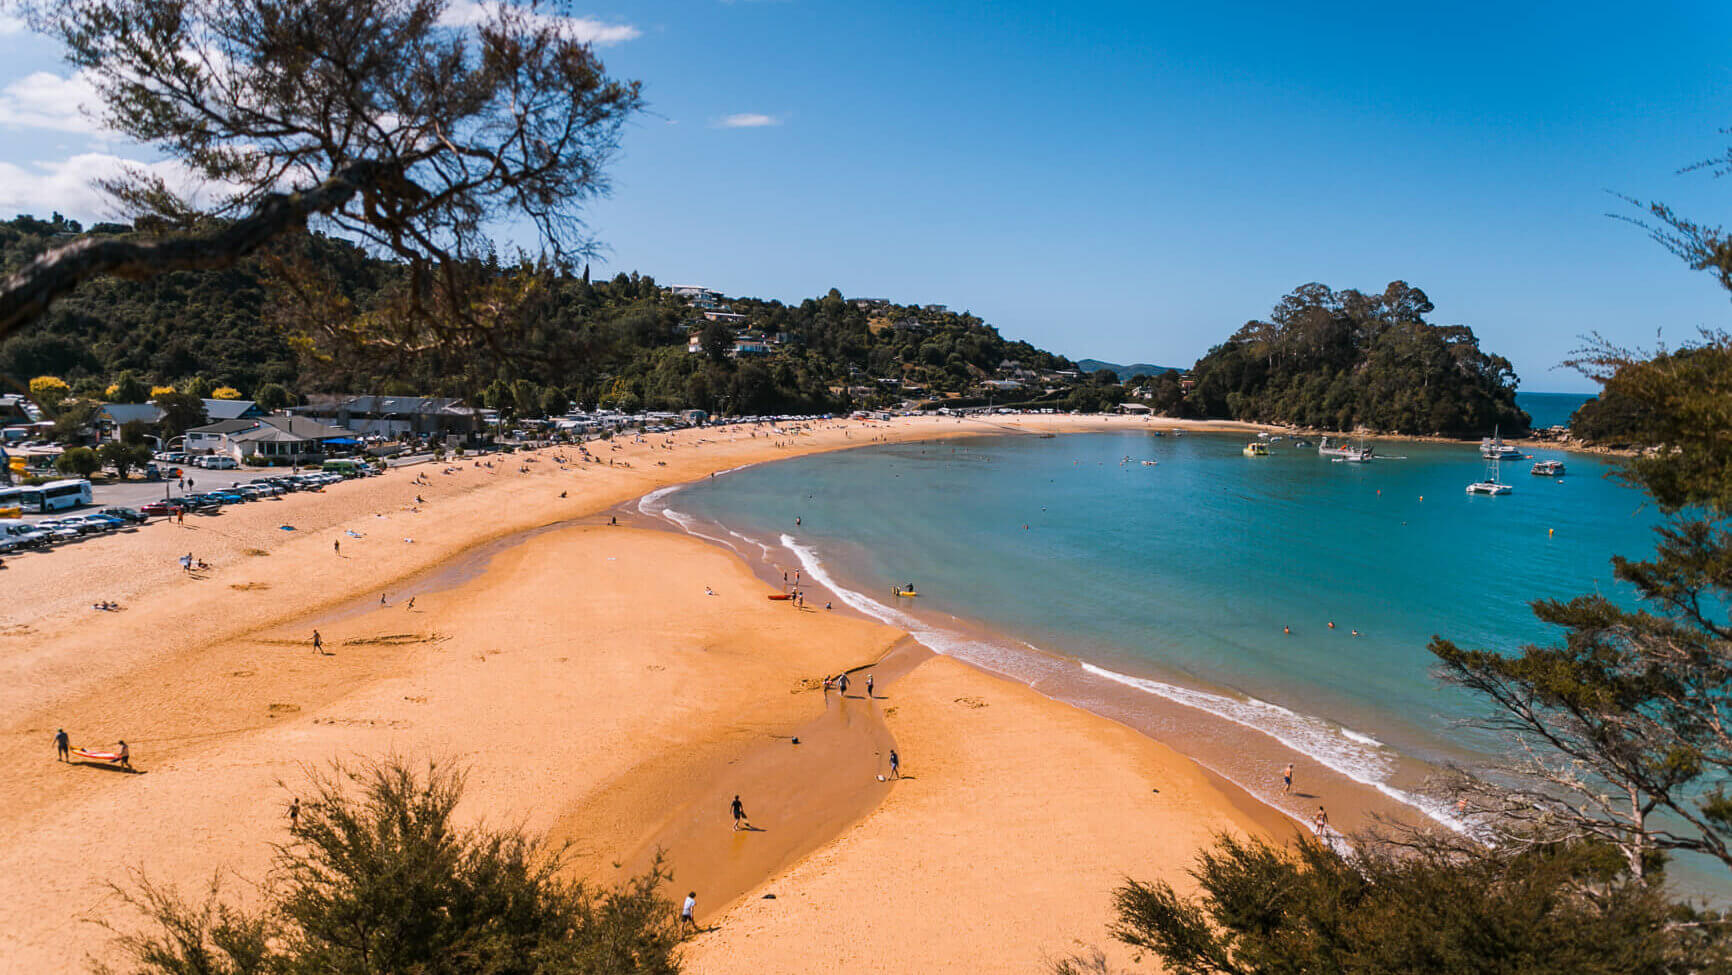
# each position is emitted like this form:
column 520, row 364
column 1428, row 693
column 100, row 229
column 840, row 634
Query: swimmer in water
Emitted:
column 1332, row 624
column 1287, row 630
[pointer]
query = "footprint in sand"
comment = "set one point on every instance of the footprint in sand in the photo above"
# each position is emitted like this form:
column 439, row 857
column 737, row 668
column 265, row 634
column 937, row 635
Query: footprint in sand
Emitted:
column 971, row 702
column 277, row 709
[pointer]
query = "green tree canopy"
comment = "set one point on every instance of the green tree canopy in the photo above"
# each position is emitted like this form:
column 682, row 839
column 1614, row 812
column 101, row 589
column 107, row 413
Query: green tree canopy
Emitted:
column 78, row 462
column 1338, row 360
column 1264, row 910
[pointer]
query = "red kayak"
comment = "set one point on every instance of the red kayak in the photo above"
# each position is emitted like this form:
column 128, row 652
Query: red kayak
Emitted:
column 96, row 756
column 781, row 595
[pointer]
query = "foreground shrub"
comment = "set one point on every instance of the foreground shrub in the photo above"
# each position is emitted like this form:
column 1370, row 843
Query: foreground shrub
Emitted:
column 378, row 879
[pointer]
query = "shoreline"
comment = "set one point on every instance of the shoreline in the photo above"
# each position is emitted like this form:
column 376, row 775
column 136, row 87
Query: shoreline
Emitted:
column 211, row 679
column 1195, row 727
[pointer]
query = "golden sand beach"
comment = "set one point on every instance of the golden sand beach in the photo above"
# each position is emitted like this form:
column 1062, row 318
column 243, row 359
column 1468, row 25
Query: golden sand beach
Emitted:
column 609, row 685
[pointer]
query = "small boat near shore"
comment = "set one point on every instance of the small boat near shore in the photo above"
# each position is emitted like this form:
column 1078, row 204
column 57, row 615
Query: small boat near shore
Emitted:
column 1352, row 455
column 1256, row 449
column 1493, row 447
column 1548, row 468
column 781, row 595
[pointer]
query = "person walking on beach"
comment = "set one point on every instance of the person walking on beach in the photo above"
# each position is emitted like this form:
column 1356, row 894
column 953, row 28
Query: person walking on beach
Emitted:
column 294, row 813
column 63, row 745
column 1287, row 779
column 125, row 756
column 739, row 811
column 337, row 547
column 1320, row 823
column 318, row 642
column 868, row 685
column 842, row 684
column 411, row 603
column 895, row 764
column 686, row 910
column 382, row 600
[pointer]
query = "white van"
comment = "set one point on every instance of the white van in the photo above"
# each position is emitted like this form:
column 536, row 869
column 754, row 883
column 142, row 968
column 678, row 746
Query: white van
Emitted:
column 217, row 462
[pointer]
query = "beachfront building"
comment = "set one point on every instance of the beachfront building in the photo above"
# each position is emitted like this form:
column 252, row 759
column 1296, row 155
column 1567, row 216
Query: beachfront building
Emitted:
column 394, row 416
column 269, row 440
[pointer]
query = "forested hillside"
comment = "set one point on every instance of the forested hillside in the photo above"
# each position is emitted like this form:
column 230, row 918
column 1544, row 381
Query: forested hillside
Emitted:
column 617, row 343
column 1338, row 360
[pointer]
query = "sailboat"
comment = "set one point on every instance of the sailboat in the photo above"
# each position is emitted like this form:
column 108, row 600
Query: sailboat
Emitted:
column 1491, row 485
column 1494, row 447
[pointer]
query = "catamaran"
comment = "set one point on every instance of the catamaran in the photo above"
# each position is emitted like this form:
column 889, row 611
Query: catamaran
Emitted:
column 1491, row 485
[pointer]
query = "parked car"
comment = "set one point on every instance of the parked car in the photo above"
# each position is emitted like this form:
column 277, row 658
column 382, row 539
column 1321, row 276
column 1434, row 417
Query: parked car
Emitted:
column 93, row 524
column 216, row 462
column 16, row 533
column 58, row 532
column 170, row 457
column 130, row 515
column 167, row 506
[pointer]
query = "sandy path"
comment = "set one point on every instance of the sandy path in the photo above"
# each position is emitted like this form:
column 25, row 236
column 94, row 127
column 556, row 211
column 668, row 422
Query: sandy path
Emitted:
column 999, row 849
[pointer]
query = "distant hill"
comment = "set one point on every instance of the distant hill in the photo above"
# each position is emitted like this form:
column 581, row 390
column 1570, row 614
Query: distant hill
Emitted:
column 1124, row 372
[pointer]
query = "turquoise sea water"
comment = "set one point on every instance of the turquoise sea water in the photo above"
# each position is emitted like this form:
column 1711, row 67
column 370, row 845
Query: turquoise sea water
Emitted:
column 1551, row 409
column 1177, row 579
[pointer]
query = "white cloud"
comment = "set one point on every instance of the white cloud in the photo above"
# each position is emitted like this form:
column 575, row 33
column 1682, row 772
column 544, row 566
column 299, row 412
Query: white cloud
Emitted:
column 45, row 100
column 66, row 185
column 469, row 13
column 10, row 24
column 748, row 120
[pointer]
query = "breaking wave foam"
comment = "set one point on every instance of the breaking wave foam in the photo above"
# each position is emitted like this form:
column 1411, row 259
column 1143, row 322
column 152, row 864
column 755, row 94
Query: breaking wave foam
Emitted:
column 1358, row 756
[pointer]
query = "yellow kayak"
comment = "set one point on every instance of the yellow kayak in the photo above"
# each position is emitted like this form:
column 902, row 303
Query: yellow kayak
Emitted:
column 905, row 592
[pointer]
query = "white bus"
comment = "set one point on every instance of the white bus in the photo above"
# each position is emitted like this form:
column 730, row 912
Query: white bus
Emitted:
column 11, row 502
column 54, row 496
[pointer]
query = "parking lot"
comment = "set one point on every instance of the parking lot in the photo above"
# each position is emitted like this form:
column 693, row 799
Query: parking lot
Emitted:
column 122, row 507
column 138, row 493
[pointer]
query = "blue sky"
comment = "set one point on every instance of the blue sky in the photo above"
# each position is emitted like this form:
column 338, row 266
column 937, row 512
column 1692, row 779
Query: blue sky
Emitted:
column 1132, row 181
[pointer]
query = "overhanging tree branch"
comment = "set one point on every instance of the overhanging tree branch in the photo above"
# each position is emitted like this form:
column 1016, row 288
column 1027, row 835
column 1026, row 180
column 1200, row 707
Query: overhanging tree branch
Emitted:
column 27, row 293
